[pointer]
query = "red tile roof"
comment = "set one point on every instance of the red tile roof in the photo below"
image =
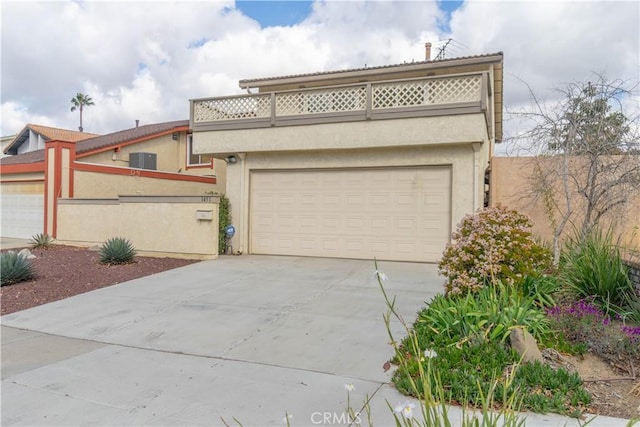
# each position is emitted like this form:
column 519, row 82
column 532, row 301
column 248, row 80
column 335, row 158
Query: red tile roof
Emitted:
column 103, row 141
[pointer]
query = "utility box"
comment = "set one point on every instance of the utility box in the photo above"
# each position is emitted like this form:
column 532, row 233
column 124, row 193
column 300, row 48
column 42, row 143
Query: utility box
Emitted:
column 143, row 161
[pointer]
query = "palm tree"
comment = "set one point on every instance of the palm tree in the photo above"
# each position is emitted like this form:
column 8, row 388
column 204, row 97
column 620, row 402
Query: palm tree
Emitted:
column 79, row 101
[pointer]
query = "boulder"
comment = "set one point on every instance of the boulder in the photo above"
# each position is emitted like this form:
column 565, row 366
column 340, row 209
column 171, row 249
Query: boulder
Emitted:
column 525, row 344
column 26, row 254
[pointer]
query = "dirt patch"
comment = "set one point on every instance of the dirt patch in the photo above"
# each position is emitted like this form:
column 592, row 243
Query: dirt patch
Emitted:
column 64, row 271
column 615, row 392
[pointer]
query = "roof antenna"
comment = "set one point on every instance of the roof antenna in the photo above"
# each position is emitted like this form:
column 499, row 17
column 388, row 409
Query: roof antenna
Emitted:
column 441, row 53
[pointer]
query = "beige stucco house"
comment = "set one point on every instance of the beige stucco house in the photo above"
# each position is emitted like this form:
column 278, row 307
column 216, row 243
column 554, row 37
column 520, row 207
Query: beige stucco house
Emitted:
column 116, row 184
column 374, row 162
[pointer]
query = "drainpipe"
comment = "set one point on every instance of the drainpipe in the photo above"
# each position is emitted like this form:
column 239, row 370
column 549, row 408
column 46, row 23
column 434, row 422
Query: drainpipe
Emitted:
column 476, row 166
column 244, row 203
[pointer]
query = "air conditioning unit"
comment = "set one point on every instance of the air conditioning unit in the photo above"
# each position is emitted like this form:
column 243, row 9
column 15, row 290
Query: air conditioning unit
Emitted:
column 143, row 161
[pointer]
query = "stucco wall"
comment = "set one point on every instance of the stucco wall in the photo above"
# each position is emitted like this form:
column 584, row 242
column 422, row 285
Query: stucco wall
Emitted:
column 157, row 226
column 465, row 177
column 349, row 135
column 171, row 156
column 23, row 177
column 509, row 186
column 94, row 185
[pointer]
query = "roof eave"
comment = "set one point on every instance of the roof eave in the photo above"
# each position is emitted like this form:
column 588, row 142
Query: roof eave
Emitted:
column 426, row 65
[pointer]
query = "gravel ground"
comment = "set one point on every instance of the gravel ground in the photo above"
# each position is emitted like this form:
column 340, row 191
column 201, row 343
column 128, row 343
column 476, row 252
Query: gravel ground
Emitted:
column 64, row 271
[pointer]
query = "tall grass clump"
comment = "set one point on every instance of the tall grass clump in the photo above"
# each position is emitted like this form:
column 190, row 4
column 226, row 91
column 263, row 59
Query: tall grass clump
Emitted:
column 41, row 241
column 14, row 268
column 117, row 250
column 591, row 267
column 494, row 244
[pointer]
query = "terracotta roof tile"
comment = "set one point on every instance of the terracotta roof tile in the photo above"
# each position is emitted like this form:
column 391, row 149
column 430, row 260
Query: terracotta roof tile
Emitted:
column 104, row 141
column 30, row 157
column 61, row 134
column 119, row 137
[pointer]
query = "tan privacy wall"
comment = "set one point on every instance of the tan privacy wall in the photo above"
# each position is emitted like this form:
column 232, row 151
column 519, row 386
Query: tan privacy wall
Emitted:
column 510, row 187
column 181, row 226
column 96, row 185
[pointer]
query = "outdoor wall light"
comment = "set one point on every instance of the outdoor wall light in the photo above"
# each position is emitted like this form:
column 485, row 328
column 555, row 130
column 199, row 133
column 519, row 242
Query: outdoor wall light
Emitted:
column 232, row 159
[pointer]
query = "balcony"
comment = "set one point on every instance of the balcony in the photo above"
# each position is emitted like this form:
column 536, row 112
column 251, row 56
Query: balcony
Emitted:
column 419, row 97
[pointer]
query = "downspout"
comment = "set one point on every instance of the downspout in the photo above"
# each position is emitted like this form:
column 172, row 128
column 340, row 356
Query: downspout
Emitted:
column 244, row 204
column 476, row 166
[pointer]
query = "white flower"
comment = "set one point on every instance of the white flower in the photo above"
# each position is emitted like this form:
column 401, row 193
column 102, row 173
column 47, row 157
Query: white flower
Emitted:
column 381, row 275
column 428, row 353
column 406, row 409
column 349, row 387
column 287, row 418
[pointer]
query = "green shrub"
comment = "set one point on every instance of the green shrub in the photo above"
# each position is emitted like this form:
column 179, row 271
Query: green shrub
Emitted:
column 117, row 250
column 41, row 241
column 591, row 267
column 224, row 221
column 469, row 353
column 494, row 244
column 490, row 314
column 14, row 268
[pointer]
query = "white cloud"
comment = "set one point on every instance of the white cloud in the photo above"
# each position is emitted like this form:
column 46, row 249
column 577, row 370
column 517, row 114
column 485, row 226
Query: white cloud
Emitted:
column 145, row 60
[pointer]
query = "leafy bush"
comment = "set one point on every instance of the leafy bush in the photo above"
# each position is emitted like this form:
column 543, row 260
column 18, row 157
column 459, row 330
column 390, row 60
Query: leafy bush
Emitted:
column 488, row 315
column 465, row 347
column 41, row 241
column 224, row 214
column 591, row 267
column 14, row 268
column 541, row 289
column 117, row 250
column 494, row 244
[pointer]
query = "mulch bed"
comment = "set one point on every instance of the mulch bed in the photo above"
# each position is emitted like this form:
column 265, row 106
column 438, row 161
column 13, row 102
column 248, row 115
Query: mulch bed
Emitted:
column 64, row 271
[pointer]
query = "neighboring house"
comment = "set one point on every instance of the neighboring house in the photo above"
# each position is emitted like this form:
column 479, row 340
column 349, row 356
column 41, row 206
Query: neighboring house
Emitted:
column 33, row 137
column 374, row 162
column 4, row 142
column 151, row 160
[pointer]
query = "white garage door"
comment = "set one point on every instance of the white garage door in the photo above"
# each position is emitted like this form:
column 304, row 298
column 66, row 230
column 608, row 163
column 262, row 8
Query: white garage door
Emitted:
column 398, row 214
column 22, row 215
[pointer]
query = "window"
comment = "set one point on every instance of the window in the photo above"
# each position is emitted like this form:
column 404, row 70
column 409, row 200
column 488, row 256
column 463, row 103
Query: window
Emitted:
column 196, row 159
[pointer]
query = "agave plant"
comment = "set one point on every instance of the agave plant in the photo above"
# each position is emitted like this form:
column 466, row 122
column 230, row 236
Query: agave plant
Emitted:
column 117, row 250
column 14, row 268
column 41, row 241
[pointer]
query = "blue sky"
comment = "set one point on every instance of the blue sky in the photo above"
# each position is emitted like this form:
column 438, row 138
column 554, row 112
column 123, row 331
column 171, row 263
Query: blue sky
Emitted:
column 288, row 13
column 142, row 62
column 276, row 13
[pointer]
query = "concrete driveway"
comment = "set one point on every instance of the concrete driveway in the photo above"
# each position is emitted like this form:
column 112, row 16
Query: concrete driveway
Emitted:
column 248, row 337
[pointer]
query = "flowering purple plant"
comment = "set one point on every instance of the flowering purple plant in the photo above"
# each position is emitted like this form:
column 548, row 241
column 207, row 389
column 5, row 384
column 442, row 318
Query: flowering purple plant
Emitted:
column 585, row 322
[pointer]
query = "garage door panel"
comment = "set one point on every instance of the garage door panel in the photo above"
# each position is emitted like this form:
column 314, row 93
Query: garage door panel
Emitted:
column 22, row 215
column 389, row 213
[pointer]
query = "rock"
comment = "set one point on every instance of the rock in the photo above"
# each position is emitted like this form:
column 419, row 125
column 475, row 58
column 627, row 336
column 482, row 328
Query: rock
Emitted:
column 526, row 346
column 26, row 254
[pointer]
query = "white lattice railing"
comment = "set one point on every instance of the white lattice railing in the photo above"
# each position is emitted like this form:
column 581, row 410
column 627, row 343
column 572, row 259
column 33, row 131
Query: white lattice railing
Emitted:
column 345, row 99
column 237, row 107
column 333, row 100
column 427, row 92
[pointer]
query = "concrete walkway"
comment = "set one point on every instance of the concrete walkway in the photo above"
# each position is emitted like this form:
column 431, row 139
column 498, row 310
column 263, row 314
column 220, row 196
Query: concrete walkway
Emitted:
column 248, row 337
